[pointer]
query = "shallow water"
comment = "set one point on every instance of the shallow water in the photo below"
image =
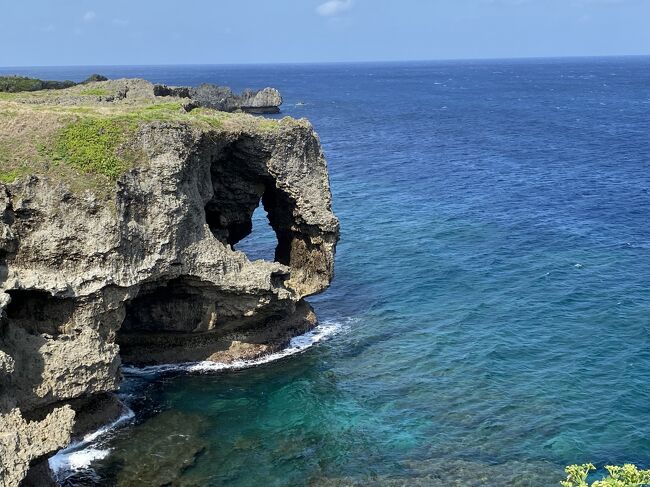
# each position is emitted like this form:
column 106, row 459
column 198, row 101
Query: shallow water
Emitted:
column 493, row 271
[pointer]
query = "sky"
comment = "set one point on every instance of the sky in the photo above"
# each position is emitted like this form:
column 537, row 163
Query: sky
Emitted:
column 121, row 32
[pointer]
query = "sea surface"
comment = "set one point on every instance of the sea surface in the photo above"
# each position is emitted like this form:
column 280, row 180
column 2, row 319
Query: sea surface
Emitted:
column 489, row 321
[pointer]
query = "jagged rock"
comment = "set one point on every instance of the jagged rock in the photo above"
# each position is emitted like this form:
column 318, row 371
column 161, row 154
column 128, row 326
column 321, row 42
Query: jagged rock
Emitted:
column 94, row 77
column 135, row 91
column 22, row 441
column 131, row 243
column 224, row 99
column 221, row 98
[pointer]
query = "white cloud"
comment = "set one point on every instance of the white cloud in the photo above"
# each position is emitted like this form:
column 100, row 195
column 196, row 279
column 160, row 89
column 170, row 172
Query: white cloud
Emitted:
column 89, row 16
column 332, row 8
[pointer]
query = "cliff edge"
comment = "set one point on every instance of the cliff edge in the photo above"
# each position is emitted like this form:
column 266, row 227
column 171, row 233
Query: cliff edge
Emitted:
column 119, row 213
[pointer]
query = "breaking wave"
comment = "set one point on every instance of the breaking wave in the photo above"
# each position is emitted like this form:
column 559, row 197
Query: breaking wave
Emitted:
column 80, row 454
column 297, row 344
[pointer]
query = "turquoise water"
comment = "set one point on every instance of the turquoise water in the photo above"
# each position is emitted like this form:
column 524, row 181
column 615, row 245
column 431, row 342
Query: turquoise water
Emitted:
column 491, row 287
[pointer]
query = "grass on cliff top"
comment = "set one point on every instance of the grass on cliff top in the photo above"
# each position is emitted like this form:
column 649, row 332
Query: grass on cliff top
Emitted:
column 83, row 152
column 89, row 147
column 95, row 146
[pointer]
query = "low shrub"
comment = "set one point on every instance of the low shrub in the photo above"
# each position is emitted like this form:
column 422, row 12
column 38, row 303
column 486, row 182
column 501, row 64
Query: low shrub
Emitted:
column 626, row 476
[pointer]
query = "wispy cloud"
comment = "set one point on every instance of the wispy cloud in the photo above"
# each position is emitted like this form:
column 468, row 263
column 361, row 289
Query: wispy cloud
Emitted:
column 89, row 16
column 120, row 22
column 332, row 8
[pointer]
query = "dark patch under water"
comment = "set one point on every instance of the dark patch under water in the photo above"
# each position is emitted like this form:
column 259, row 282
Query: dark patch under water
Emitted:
column 495, row 258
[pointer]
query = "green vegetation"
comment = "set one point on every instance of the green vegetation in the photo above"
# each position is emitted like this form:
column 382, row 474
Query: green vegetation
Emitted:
column 17, row 84
column 626, row 476
column 95, row 145
column 87, row 147
column 11, row 175
column 94, row 77
column 87, row 144
column 95, row 92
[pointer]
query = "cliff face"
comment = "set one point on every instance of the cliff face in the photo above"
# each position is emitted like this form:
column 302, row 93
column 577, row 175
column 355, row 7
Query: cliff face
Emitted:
column 267, row 100
column 130, row 257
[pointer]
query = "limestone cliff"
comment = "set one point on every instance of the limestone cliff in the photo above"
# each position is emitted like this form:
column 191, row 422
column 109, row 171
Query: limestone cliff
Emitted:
column 267, row 100
column 119, row 211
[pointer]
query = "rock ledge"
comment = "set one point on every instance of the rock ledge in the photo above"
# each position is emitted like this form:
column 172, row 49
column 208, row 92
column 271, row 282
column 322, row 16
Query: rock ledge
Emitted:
column 134, row 249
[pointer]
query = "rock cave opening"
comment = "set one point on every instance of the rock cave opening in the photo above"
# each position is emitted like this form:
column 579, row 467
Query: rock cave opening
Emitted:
column 185, row 319
column 262, row 242
column 39, row 312
column 247, row 208
column 245, row 211
column 175, row 305
column 185, row 304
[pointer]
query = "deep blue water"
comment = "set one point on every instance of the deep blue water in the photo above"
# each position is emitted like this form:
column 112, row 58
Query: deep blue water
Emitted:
column 493, row 274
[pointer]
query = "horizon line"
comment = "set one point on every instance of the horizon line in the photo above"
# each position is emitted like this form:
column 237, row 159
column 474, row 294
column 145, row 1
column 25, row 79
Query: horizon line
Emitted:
column 311, row 63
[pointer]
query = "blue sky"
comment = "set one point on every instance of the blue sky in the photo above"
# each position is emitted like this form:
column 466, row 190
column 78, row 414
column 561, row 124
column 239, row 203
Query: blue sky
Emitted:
column 82, row 32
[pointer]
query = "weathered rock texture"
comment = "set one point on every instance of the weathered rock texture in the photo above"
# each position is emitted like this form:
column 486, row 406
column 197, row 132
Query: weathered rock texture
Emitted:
column 152, row 268
column 267, row 100
column 223, row 98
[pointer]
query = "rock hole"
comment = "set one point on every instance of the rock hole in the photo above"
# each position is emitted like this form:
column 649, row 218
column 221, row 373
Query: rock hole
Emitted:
column 39, row 312
column 243, row 192
column 262, row 242
column 177, row 305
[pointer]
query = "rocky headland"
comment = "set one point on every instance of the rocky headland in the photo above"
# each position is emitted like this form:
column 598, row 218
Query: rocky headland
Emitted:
column 207, row 95
column 120, row 206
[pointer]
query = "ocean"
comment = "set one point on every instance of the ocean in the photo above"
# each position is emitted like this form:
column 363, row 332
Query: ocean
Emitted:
column 489, row 320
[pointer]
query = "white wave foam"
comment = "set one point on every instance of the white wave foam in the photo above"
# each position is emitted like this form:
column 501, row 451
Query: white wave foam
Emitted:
column 79, row 455
column 79, row 460
column 296, row 345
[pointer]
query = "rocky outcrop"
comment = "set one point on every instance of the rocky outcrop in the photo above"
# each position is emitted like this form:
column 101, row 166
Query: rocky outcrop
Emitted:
column 224, row 99
column 267, row 100
column 221, row 98
column 151, row 268
column 22, row 441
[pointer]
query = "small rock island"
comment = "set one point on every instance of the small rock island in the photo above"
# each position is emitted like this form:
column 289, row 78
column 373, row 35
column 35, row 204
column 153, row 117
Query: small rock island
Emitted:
column 121, row 202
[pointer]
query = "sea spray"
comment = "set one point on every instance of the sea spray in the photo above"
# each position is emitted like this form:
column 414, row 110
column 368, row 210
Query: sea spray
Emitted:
column 297, row 344
column 81, row 454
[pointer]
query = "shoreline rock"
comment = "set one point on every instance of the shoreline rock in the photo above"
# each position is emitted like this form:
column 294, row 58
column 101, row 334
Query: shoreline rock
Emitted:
column 141, row 256
column 222, row 98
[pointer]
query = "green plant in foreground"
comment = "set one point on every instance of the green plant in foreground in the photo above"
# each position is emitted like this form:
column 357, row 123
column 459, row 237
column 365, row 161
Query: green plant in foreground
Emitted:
column 626, row 476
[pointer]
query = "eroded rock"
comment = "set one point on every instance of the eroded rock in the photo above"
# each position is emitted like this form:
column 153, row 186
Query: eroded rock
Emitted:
column 23, row 442
column 222, row 98
column 151, row 265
